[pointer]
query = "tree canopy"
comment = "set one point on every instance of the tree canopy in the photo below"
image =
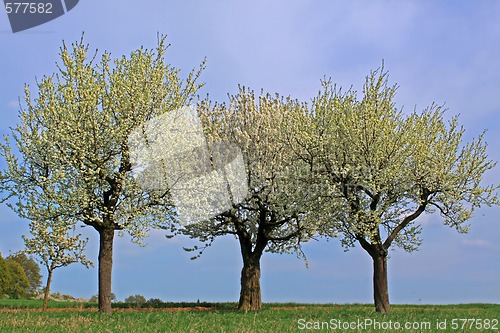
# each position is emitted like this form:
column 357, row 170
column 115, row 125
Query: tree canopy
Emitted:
column 380, row 169
column 32, row 271
column 70, row 151
column 13, row 280
column 274, row 214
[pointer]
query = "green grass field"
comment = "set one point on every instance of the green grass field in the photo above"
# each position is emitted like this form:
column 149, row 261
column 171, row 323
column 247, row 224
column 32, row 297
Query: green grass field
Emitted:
column 23, row 316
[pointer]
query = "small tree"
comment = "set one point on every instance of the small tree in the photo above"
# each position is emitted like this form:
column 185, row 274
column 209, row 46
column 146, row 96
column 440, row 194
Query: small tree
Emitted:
column 136, row 299
column 381, row 169
column 55, row 248
column 13, row 281
column 18, row 280
column 31, row 269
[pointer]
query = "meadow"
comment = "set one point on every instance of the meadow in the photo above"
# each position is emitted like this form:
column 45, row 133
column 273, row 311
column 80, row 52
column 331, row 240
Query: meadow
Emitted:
column 26, row 316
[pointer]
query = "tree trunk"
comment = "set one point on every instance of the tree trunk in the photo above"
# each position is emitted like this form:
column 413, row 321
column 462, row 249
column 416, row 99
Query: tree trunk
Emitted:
column 47, row 290
column 380, row 289
column 250, row 294
column 106, row 236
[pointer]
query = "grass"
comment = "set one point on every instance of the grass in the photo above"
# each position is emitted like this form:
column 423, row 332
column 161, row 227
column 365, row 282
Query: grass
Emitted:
column 37, row 304
column 273, row 318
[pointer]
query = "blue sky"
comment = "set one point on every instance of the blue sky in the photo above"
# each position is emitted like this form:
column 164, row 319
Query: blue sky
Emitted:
column 437, row 51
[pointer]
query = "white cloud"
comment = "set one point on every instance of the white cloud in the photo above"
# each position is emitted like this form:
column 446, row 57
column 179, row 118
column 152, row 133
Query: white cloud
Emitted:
column 13, row 104
column 478, row 243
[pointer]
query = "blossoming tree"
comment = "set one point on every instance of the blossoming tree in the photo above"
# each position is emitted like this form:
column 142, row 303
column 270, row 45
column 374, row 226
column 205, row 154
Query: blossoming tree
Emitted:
column 274, row 215
column 72, row 144
column 381, row 169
